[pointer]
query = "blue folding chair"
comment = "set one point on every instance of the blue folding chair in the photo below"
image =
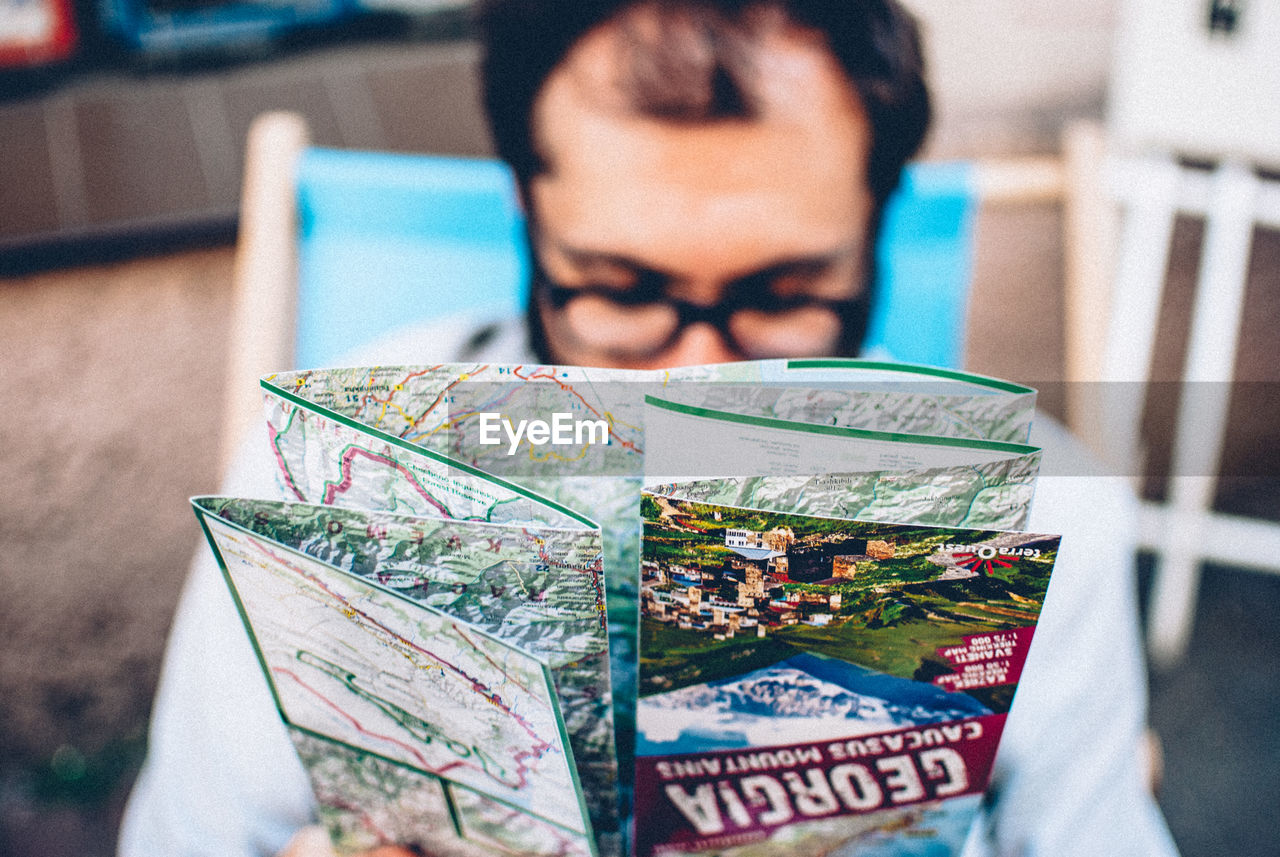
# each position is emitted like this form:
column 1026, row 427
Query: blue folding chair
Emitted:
column 432, row 236
column 387, row 239
column 925, row 259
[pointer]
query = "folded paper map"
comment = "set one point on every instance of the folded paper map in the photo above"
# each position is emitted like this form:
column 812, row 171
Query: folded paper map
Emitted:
column 737, row 609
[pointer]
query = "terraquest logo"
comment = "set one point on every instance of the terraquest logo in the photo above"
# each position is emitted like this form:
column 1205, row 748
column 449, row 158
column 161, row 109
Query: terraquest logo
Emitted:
column 984, row 559
column 562, row 430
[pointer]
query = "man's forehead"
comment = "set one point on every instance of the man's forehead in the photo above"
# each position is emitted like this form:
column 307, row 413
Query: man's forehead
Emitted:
column 794, row 173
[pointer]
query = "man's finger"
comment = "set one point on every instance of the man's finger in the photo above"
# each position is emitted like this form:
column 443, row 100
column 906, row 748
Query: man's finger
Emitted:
column 309, row 842
column 314, row 842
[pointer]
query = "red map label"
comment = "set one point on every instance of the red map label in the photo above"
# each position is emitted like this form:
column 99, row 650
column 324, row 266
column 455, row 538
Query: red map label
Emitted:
column 986, row 660
column 699, row 801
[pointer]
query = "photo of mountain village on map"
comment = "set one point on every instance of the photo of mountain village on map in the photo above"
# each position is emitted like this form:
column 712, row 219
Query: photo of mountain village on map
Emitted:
column 726, row 591
column 784, row 657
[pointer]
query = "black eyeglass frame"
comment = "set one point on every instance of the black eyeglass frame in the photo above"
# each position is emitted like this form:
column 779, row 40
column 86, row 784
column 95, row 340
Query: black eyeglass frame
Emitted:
column 851, row 312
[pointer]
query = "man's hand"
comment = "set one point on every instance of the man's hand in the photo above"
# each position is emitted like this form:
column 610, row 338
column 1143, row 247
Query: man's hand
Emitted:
column 314, row 842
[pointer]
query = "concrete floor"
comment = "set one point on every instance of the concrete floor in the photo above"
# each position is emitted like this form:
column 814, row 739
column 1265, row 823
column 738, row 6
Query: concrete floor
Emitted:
column 1215, row 714
column 106, row 430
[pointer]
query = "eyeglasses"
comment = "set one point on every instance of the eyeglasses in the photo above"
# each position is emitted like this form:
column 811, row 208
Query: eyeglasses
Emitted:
column 643, row 322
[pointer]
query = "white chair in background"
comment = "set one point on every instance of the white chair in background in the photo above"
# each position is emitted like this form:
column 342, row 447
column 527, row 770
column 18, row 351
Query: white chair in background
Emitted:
column 1185, row 531
column 1194, row 79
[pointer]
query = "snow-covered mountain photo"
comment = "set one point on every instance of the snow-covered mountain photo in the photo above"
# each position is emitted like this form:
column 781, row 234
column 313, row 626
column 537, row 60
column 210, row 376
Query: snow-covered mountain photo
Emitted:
column 802, row 699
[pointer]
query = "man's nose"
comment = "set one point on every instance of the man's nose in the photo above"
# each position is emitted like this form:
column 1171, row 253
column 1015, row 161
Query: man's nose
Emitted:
column 700, row 343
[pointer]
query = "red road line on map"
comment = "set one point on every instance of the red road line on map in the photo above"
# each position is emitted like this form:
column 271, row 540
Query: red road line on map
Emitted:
column 477, row 685
column 516, row 758
column 498, row 667
column 284, row 468
column 359, row 727
column 534, row 753
column 454, row 419
column 596, row 568
column 432, row 406
column 367, row 398
column 335, row 488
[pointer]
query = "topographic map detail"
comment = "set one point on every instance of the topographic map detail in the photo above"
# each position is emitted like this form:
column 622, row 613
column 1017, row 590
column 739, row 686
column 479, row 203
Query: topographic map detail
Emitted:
column 366, row 801
column 977, row 417
column 995, row 495
column 499, row 828
column 372, row 669
column 325, row 461
column 540, row 590
column 402, row 439
column 439, row 408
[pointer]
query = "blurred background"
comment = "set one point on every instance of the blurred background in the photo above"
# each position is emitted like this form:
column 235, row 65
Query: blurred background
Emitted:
column 122, row 138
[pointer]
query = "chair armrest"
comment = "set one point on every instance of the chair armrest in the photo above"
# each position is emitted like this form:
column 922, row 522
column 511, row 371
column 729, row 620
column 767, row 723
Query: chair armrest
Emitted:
column 264, row 279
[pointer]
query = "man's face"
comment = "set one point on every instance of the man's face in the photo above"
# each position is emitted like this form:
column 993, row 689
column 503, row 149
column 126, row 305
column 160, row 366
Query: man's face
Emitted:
column 769, row 214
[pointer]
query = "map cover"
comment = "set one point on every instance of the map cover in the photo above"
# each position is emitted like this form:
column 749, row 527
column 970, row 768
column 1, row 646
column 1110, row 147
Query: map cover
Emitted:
column 446, row 600
column 819, row 685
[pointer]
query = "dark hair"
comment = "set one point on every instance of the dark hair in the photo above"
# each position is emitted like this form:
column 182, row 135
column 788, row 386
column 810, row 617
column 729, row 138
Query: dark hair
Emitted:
column 708, row 76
